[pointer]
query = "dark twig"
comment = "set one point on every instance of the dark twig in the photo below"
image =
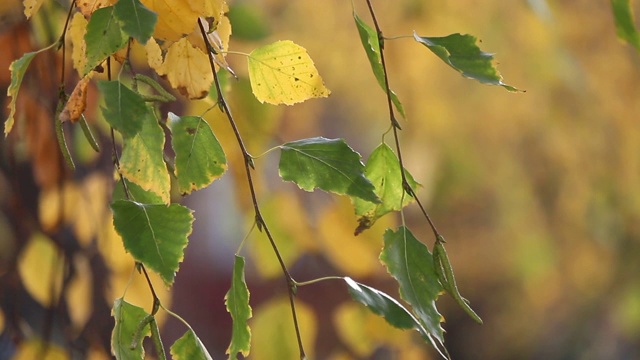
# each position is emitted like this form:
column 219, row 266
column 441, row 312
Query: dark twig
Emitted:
column 248, row 164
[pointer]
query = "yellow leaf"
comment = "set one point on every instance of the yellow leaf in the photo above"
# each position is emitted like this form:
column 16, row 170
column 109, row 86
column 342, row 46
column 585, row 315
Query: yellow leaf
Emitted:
column 175, row 18
column 77, row 30
column 273, row 335
column 154, row 54
column 209, row 8
column 1, row 321
column 187, row 69
column 283, row 73
column 78, row 293
column 31, row 7
column 36, row 349
column 74, row 108
column 87, row 7
column 41, row 268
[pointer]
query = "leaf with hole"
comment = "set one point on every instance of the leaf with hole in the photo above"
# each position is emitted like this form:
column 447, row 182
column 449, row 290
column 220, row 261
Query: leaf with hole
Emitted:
column 137, row 20
column 199, row 157
column 625, row 24
column 189, row 347
column 327, row 164
column 283, row 73
column 103, row 38
column 126, row 332
column 155, row 235
column 383, row 170
column 237, row 302
column 411, row 264
column 369, row 39
column 462, row 54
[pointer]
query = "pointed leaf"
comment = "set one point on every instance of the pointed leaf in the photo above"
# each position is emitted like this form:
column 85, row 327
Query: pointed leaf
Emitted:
column 142, row 159
column 383, row 170
column 382, row 304
column 137, row 20
column 74, row 108
column 17, row 68
column 103, row 37
column 77, row 31
column 461, row 53
column 31, row 7
column 128, row 318
column 135, row 192
column 189, row 347
column 175, row 18
column 411, row 264
column 124, row 109
column 328, row 164
column 625, row 24
column 237, row 302
column 283, row 73
column 155, row 235
column 199, row 157
column 369, row 40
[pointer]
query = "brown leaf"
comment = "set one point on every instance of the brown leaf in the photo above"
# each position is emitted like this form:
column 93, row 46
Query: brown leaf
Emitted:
column 77, row 102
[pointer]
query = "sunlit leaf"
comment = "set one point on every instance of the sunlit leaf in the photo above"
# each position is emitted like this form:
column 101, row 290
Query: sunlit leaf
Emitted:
column 369, row 40
column 328, row 164
column 462, row 54
column 17, row 68
column 383, row 170
column 187, row 68
column 175, row 18
column 199, row 157
column 382, row 304
column 142, row 159
column 274, row 336
column 87, row 7
column 209, row 9
column 137, row 20
column 237, row 302
column 411, row 264
column 103, row 38
column 128, row 318
column 625, row 24
column 154, row 54
column 77, row 31
column 135, row 192
column 283, row 73
column 77, row 102
column 189, row 347
column 31, row 7
column 41, row 269
column 155, row 235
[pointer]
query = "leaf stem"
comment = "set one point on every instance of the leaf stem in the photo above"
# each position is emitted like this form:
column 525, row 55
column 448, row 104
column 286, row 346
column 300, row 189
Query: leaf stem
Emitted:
column 313, row 281
column 394, row 122
column 248, row 165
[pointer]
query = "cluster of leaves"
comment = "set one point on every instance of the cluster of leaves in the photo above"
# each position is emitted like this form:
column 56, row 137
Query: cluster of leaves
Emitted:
column 186, row 43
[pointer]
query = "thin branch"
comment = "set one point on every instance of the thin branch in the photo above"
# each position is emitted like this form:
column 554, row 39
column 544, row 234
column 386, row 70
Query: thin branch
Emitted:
column 394, row 122
column 248, row 165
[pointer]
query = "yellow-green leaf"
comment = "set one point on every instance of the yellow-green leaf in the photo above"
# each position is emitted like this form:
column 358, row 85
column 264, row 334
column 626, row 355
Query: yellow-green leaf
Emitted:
column 17, row 68
column 31, row 7
column 283, row 73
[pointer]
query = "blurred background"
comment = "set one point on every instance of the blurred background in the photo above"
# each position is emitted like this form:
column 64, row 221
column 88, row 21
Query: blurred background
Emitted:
column 536, row 192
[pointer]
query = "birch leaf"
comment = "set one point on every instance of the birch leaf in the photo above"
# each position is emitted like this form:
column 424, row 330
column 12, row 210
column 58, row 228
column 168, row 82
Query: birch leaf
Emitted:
column 187, row 69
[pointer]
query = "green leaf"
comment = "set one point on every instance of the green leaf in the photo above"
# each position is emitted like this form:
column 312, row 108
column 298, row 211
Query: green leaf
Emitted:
column 369, row 39
column 283, row 73
column 199, row 157
column 411, row 264
column 103, row 37
column 382, row 304
column 155, row 235
column 383, row 170
column 625, row 24
column 461, row 53
column 137, row 20
column 237, row 302
column 136, row 193
column 17, row 68
column 328, row 164
column 127, row 318
column 142, row 159
column 189, row 347
column 124, row 109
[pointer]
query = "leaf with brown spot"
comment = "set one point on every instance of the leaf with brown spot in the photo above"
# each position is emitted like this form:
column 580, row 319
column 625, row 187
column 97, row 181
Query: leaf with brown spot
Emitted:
column 77, row 102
